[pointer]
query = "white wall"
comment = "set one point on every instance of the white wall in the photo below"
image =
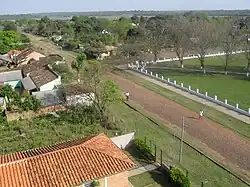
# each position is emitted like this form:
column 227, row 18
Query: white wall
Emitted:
column 124, row 140
column 51, row 85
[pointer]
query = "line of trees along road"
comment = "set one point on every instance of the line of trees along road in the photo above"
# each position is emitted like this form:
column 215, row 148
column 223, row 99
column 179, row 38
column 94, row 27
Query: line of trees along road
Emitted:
column 138, row 36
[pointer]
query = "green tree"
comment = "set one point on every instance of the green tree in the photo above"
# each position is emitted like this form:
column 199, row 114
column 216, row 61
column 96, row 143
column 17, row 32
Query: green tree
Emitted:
column 10, row 40
column 105, row 91
column 78, row 64
column 10, row 26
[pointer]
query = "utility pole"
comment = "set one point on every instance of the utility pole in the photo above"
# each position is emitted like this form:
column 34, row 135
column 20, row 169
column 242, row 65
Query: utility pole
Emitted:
column 182, row 137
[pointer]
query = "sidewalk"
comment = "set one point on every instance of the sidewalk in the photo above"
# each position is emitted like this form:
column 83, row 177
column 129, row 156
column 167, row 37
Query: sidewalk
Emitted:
column 143, row 169
column 194, row 98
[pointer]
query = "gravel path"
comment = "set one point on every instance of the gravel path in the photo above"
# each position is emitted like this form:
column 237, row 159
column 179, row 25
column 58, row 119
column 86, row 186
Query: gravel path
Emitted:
column 232, row 147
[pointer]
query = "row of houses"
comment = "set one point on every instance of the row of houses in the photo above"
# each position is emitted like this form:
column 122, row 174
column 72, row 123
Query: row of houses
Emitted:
column 35, row 75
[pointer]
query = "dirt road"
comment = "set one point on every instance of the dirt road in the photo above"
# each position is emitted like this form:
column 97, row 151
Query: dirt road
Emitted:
column 232, row 147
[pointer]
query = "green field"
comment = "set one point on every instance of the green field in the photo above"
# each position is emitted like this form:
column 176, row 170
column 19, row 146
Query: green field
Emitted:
column 153, row 178
column 235, row 89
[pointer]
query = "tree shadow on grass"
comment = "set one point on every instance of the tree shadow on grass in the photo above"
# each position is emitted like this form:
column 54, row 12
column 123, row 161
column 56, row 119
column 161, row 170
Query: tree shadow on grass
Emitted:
column 160, row 178
column 136, row 156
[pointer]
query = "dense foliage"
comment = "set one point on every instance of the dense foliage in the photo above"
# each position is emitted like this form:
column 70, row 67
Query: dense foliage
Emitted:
column 20, row 102
column 10, row 40
column 178, row 179
column 144, row 149
column 80, row 33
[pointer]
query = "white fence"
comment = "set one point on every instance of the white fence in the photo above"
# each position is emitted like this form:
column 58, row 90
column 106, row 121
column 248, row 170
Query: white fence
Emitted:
column 192, row 56
column 189, row 90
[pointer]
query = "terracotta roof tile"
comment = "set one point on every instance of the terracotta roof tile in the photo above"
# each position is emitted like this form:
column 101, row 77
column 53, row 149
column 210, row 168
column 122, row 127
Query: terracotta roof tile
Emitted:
column 64, row 164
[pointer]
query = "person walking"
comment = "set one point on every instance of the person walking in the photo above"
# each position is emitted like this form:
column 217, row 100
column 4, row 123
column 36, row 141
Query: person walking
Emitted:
column 200, row 114
column 127, row 96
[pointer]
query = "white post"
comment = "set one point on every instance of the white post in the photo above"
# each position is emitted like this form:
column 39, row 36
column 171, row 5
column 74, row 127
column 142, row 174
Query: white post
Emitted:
column 146, row 71
column 181, row 84
column 189, row 87
column 226, row 101
column 168, row 79
column 151, row 73
column 156, row 75
column 174, row 82
column 206, row 94
column 105, row 182
column 249, row 110
column 247, row 74
column 197, row 90
column 215, row 97
column 162, row 78
column 237, row 106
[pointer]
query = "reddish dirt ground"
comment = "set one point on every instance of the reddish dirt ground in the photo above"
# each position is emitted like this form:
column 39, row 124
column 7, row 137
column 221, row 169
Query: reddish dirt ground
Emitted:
column 232, row 147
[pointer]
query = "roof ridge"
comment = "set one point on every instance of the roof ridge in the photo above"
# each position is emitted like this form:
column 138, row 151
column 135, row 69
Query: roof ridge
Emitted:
column 45, row 147
column 110, row 154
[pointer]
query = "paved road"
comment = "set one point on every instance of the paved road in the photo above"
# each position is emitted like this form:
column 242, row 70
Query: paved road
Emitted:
column 232, row 147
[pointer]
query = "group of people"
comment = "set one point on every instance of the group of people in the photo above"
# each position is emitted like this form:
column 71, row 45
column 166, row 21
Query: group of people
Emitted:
column 200, row 113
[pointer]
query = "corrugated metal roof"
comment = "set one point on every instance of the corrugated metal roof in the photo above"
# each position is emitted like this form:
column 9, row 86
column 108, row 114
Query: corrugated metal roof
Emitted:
column 10, row 76
column 28, row 84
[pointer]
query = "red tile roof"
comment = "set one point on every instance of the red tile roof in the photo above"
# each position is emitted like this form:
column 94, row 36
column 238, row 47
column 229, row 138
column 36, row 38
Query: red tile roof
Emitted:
column 64, row 164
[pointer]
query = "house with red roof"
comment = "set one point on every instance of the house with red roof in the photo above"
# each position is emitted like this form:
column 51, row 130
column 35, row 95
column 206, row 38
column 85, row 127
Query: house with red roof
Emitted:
column 73, row 163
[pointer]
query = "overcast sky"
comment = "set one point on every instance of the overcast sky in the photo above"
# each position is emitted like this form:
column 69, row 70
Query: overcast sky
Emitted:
column 37, row 6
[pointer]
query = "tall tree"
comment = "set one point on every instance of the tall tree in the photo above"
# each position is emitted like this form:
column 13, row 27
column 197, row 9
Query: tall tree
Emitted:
column 78, row 64
column 155, row 35
column 104, row 90
column 180, row 33
column 204, row 37
column 245, row 38
column 229, row 39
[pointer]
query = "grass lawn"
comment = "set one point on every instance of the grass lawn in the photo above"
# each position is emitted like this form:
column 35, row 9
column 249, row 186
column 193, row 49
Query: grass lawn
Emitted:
column 153, row 178
column 235, row 89
column 198, row 166
column 238, row 63
column 237, row 126
column 49, row 130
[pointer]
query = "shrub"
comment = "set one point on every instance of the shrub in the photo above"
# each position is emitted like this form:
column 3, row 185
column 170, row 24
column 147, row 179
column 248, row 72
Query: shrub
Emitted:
column 178, row 179
column 96, row 183
column 144, row 149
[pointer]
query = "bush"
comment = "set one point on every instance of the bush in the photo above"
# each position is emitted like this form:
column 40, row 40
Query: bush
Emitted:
column 178, row 179
column 144, row 149
column 96, row 183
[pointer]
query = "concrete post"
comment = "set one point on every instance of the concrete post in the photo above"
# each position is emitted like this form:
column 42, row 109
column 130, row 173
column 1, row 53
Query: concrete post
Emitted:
column 237, row 106
column 215, row 97
column 249, row 110
column 197, row 90
column 189, row 87
column 181, row 84
column 156, row 75
column 168, row 79
column 206, row 94
column 146, row 71
column 174, row 82
column 226, row 101
column 162, row 78
column 151, row 73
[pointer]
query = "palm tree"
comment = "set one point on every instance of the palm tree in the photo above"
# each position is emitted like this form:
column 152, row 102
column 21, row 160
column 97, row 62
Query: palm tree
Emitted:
column 78, row 64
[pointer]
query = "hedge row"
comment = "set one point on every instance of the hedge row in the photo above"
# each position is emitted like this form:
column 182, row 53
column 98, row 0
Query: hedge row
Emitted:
column 144, row 149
